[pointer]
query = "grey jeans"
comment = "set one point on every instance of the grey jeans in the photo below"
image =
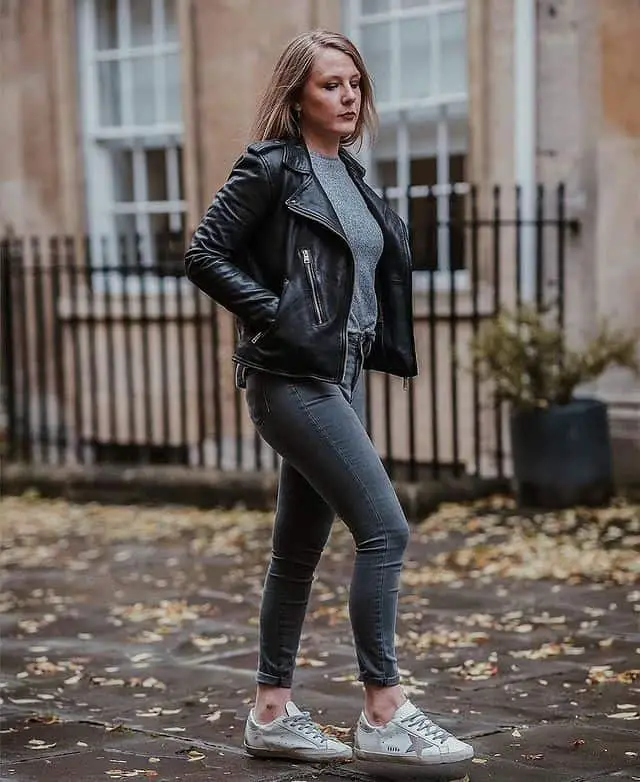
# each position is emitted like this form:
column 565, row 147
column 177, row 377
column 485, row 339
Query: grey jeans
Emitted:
column 329, row 466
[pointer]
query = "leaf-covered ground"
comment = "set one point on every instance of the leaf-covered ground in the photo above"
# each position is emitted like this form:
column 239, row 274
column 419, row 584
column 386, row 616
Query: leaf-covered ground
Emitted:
column 129, row 638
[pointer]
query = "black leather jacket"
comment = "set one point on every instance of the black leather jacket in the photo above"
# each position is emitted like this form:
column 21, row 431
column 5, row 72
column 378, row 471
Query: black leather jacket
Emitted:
column 272, row 251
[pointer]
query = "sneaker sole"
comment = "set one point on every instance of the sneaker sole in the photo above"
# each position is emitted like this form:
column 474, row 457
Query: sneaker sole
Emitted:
column 383, row 757
column 292, row 754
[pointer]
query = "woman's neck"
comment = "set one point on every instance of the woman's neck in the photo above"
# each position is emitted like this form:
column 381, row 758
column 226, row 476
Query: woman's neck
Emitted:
column 328, row 147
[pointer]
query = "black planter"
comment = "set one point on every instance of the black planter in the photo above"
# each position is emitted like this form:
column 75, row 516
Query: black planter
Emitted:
column 562, row 455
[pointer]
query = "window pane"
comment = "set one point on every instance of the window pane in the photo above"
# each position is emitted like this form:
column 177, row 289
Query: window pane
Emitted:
column 107, row 24
column 453, row 52
column 144, row 99
column 173, row 107
column 180, row 174
column 374, row 6
column 167, row 236
column 424, row 230
column 387, row 171
column 122, row 167
column 376, row 50
column 126, row 240
column 171, row 21
column 159, row 230
column 109, row 94
column 156, row 175
column 141, row 23
column 415, row 81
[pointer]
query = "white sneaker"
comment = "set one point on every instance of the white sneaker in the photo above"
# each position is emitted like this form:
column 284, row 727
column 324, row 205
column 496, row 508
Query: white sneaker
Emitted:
column 409, row 737
column 294, row 736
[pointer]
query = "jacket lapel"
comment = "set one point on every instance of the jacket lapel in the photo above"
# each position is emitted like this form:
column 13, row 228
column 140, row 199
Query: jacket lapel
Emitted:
column 309, row 199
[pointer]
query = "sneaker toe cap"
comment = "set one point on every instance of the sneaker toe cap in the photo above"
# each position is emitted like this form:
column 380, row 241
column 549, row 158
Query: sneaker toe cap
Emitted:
column 455, row 748
column 337, row 748
column 335, row 745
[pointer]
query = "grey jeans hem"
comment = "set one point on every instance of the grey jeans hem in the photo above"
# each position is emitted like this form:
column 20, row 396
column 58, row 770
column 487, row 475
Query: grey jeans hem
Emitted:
column 273, row 681
column 388, row 681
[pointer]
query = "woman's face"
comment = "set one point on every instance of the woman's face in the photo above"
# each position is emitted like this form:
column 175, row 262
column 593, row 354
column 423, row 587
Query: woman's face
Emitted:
column 330, row 99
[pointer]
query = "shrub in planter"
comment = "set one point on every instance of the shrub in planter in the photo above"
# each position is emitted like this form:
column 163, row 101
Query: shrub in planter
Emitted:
column 560, row 444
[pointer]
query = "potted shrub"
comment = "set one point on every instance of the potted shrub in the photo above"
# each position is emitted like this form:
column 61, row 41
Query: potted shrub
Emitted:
column 560, row 442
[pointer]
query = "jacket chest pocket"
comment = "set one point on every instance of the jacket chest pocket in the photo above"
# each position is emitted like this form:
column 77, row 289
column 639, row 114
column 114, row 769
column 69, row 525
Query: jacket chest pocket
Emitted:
column 314, row 286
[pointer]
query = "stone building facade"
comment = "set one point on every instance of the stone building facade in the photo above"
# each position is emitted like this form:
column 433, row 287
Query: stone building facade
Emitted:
column 131, row 113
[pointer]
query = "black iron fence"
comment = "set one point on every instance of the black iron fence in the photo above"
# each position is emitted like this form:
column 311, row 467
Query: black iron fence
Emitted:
column 108, row 359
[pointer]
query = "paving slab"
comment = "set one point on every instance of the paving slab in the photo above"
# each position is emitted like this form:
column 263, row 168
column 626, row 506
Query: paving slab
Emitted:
column 130, row 639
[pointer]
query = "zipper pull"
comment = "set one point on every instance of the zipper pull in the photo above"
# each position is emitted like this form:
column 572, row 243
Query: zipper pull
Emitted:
column 306, row 256
column 257, row 336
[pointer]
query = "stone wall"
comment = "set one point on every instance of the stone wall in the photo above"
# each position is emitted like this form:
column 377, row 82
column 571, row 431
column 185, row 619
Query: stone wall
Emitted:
column 40, row 188
column 230, row 49
column 588, row 125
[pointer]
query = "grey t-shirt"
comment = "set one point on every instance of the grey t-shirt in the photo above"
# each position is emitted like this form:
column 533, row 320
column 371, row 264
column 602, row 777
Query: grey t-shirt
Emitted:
column 363, row 234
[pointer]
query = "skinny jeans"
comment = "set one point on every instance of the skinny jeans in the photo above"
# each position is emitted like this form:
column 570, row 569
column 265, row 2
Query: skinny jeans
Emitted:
column 329, row 467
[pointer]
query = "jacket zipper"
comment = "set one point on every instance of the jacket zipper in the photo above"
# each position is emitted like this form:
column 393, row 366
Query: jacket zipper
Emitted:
column 308, row 265
column 320, row 219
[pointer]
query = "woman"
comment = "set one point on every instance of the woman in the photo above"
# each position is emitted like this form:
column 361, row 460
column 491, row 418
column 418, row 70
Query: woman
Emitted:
column 317, row 269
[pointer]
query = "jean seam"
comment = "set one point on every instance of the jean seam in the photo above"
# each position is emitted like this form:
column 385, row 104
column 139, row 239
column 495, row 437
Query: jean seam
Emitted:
column 265, row 402
column 276, row 620
column 325, row 435
column 262, row 404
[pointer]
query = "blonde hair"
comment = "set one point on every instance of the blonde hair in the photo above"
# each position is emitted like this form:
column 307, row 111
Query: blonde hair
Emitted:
column 276, row 117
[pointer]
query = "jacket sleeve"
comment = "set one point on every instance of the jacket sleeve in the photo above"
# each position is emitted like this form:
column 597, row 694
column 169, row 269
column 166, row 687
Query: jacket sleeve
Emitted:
column 224, row 232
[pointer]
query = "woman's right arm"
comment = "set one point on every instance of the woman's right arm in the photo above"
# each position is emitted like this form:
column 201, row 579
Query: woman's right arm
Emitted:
column 224, row 232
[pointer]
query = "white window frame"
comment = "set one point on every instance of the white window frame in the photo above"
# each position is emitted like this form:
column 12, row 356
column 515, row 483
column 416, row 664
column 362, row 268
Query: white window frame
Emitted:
column 398, row 113
column 98, row 140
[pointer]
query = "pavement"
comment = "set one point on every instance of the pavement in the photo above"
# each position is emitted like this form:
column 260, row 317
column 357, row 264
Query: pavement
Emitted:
column 129, row 642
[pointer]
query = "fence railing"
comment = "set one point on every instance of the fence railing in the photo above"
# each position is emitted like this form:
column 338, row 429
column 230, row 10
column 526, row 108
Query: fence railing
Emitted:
column 105, row 361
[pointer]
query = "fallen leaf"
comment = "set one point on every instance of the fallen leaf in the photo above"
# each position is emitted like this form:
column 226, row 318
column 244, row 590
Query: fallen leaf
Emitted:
column 38, row 744
column 309, row 662
column 625, row 715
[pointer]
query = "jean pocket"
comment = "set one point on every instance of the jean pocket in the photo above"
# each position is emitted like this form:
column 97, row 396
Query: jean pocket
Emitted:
column 257, row 403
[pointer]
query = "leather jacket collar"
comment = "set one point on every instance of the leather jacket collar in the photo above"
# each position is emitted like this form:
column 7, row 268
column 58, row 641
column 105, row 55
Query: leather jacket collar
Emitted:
column 309, row 199
column 296, row 157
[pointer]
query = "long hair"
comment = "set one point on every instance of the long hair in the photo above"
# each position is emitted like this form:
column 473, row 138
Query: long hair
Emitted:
column 276, row 118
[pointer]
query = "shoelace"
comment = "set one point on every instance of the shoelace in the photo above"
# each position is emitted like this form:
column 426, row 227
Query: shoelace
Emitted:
column 304, row 724
column 420, row 722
